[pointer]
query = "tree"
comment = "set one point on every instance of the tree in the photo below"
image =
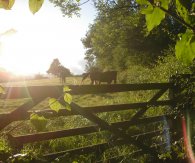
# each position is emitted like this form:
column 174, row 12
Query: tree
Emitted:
column 54, row 67
column 118, row 35
column 57, row 69
column 64, row 72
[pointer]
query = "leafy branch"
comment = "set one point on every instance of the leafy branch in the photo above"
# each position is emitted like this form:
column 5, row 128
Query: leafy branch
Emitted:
column 178, row 19
column 155, row 11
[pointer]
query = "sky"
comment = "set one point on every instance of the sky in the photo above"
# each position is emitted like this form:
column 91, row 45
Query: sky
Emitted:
column 38, row 39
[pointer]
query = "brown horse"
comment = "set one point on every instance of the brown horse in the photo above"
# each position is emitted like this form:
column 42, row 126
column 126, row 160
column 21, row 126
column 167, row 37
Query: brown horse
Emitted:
column 98, row 77
column 61, row 72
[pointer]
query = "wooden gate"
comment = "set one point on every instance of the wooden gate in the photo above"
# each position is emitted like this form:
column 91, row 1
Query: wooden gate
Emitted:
column 118, row 130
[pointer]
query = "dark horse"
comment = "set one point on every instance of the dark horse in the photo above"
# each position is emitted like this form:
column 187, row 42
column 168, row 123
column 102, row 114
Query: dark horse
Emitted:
column 98, row 77
column 63, row 73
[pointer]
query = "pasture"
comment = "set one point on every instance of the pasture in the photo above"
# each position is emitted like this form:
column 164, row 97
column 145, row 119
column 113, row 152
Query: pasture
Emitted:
column 9, row 105
column 84, row 100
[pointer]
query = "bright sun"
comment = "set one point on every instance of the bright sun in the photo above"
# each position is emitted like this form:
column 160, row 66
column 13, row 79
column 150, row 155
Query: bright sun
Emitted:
column 18, row 56
column 42, row 37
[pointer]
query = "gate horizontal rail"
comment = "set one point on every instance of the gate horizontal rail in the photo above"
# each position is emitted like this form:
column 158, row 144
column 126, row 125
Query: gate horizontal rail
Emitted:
column 30, row 138
column 48, row 113
column 35, row 92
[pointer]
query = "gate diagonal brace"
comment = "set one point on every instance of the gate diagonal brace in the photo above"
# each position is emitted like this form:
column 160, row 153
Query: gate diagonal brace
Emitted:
column 117, row 132
column 19, row 112
column 153, row 99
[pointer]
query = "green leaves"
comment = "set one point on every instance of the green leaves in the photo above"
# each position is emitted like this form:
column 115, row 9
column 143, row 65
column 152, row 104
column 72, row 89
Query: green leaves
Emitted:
column 185, row 47
column 67, row 98
column 154, row 15
column 182, row 11
column 6, row 4
column 39, row 122
column 66, row 89
column 35, row 5
column 54, row 104
column 147, row 8
column 154, row 19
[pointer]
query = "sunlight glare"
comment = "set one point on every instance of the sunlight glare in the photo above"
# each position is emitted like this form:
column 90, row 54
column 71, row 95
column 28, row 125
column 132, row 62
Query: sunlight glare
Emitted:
column 40, row 38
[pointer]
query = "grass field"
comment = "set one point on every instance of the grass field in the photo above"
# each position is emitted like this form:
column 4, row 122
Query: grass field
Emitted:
column 9, row 105
column 49, row 81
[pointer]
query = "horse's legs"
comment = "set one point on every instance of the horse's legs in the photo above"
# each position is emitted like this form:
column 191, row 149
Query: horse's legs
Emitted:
column 63, row 80
column 95, row 82
column 92, row 82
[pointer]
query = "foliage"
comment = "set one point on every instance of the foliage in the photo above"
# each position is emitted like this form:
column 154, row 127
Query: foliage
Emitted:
column 155, row 11
column 176, row 153
column 118, row 33
column 56, row 105
column 68, row 7
column 6, row 4
column 161, row 71
column 35, row 5
column 183, row 93
column 154, row 16
column 184, row 15
column 56, row 68
column 39, row 122
column 5, row 150
column 53, row 69
column 185, row 47
column 76, row 159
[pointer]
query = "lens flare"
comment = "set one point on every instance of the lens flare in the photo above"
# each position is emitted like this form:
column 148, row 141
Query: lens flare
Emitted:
column 167, row 134
column 187, row 138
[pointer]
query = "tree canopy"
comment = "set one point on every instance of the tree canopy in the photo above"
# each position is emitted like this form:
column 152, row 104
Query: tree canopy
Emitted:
column 56, row 68
column 119, row 34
